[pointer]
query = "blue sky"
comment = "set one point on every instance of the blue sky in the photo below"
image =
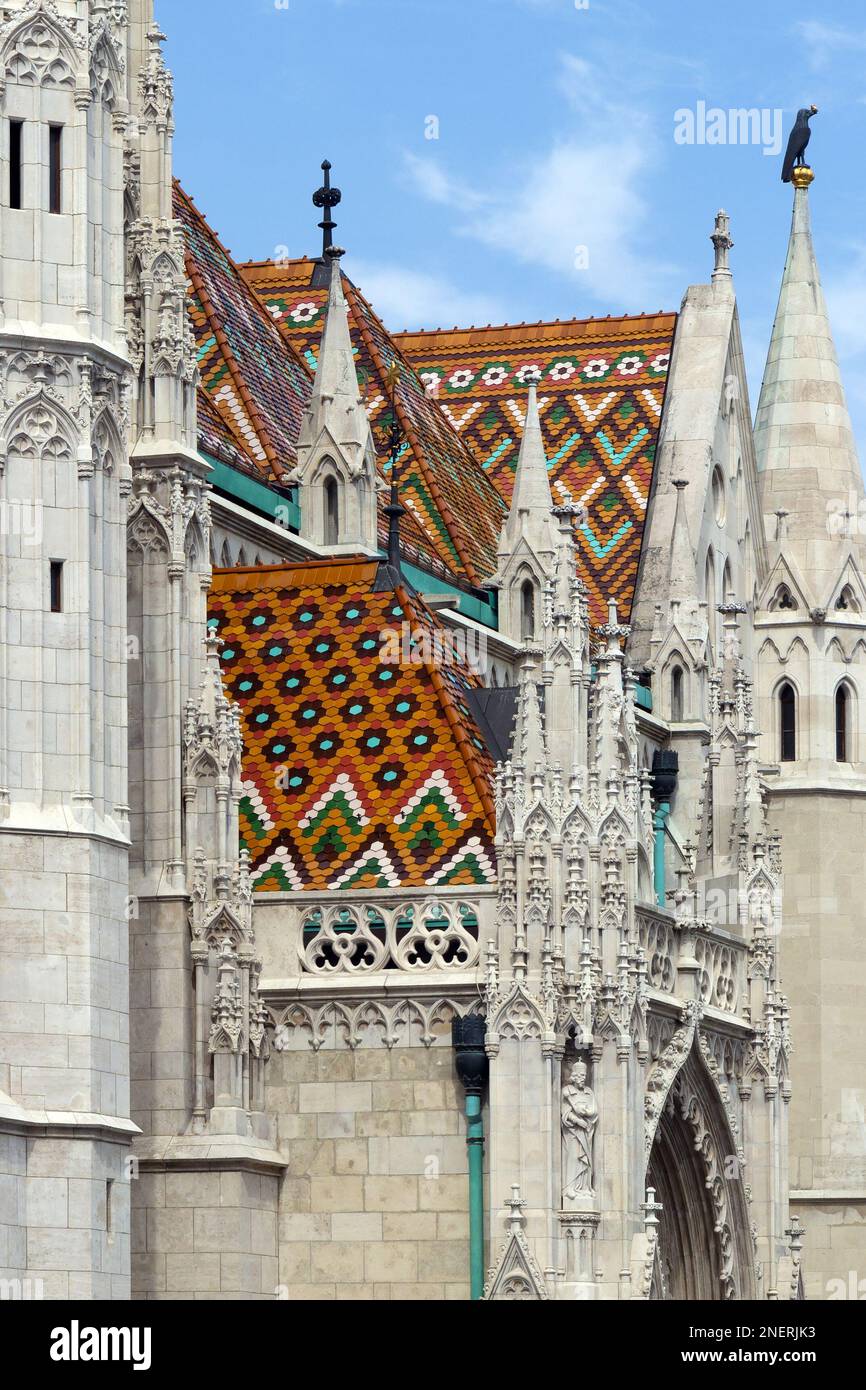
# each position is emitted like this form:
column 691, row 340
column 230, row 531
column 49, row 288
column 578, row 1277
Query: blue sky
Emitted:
column 555, row 186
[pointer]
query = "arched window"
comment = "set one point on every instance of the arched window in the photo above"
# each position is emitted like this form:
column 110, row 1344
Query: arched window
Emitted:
column 787, row 723
column 527, row 610
column 332, row 512
column 783, row 598
column 677, row 693
column 847, row 601
column 843, row 705
column 711, row 596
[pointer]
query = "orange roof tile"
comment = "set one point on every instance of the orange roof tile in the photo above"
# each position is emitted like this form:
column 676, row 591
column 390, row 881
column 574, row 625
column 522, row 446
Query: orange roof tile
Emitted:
column 362, row 765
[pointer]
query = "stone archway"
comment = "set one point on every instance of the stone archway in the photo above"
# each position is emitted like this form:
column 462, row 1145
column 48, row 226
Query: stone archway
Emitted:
column 705, row 1249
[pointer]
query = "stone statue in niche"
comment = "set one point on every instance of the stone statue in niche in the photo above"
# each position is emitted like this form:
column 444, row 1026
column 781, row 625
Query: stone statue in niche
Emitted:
column 579, row 1117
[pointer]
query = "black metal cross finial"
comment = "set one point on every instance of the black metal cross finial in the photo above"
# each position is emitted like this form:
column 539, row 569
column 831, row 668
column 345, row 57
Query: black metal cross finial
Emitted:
column 327, row 197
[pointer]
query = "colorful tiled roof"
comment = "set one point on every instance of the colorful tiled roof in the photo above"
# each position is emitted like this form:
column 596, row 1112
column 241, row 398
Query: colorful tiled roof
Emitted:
column 601, row 385
column 256, row 383
column 255, row 387
column 441, row 483
column 362, row 765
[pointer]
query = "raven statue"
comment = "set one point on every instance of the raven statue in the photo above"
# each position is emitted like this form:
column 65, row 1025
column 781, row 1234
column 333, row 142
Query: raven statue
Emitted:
column 797, row 142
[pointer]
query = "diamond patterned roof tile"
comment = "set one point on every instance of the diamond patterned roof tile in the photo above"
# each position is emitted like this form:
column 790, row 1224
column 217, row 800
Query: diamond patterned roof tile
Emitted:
column 362, row 764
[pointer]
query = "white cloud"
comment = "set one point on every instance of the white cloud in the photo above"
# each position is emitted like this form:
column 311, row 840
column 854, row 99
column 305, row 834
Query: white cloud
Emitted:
column 577, row 207
column 436, row 185
column 413, row 299
column 578, row 211
column 825, row 41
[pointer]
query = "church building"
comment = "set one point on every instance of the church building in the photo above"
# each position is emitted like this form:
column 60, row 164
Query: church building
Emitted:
column 432, row 764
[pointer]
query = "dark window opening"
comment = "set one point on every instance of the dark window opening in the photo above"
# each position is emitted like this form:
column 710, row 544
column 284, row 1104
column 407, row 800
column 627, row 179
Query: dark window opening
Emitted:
column 109, row 1206
column 787, row 724
column 527, row 611
column 56, row 586
column 677, row 693
column 332, row 512
column 55, row 168
column 16, row 141
column 842, row 725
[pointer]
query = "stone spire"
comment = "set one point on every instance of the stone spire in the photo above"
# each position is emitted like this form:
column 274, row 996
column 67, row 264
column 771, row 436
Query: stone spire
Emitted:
column 526, row 553
column 335, row 445
column 531, row 501
column 336, row 400
column 807, row 459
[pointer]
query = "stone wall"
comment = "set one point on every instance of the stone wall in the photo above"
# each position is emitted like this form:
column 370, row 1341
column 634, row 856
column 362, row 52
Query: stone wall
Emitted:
column 64, row 1216
column 200, row 1234
column 375, row 1201
column 13, row 1233
column 824, row 974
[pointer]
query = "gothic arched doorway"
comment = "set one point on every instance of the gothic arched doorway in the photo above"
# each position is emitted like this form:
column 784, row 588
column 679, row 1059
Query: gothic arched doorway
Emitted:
column 705, row 1247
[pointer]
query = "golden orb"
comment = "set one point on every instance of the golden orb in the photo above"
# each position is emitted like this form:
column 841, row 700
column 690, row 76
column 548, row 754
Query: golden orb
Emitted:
column 802, row 176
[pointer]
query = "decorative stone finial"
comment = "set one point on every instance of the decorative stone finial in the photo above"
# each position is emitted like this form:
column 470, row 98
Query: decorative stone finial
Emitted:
column 722, row 243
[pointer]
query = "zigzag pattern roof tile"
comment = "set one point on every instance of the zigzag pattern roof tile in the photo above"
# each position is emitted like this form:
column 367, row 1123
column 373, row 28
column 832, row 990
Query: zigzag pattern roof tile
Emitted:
column 601, row 386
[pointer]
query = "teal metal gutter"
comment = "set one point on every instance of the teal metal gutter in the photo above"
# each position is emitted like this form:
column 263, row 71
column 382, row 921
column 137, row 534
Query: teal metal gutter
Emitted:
column 467, row 1035
column 482, row 608
column 261, row 498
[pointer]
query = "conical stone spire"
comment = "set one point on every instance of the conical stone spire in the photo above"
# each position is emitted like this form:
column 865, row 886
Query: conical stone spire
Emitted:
column 531, row 501
column 807, row 459
column 335, row 446
column 335, row 404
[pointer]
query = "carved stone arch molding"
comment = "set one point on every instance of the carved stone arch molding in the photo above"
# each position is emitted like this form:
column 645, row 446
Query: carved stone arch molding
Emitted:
column 107, row 64
column 107, row 445
column 696, row 1165
column 38, row 48
column 38, row 428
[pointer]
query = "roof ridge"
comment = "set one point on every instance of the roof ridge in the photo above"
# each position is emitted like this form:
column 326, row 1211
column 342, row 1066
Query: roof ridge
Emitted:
column 604, row 319
column 455, row 723
column 269, row 261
